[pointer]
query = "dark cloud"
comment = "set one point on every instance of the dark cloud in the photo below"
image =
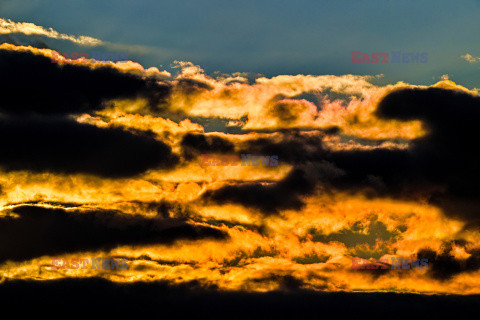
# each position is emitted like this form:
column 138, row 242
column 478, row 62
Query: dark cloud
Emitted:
column 447, row 156
column 372, row 169
column 268, row 198
column 193, row 299
column 443, row 265
column 33, row 84
column 46, row 231
column 163, row 208
column 304, row 151
column 441, row 166
column 195, row 144
column 292, row 147
column 33, row 88
column 313, row 166
column 65, row 146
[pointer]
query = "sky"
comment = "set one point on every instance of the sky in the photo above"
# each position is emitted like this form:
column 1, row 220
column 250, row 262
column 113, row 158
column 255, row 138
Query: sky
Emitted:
column 172, row 153
column 277, row 37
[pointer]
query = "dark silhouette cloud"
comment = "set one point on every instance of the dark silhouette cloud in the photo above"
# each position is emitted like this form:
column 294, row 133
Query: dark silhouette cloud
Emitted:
column 292, row 147
column 446, row 157
column 266, row 198
column 443, row 265
column 65, row 146
column 31, row 83
column 193, row 299
column 441, row 166
column 194, row 144
column 46, row 231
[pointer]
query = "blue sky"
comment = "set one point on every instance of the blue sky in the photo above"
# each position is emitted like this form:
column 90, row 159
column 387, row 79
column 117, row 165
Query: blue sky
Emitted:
column 277, row 37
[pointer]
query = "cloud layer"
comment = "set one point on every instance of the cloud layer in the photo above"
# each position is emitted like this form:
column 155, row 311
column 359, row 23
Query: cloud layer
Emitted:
column 104, row 159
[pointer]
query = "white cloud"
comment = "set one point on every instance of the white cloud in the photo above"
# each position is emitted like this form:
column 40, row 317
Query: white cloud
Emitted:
column 8, row 26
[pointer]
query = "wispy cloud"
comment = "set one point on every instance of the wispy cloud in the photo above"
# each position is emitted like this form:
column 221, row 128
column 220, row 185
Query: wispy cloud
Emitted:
column 9, row 26
column 471, row 58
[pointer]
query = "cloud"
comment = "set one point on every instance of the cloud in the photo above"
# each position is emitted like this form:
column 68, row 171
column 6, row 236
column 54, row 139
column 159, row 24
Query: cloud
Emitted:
column 8, row 26
column 357, row 234
column 445, row 157
column 61, row 145
column 47, row 231
column 471, row 58
column 290, row 146
column 219, row 304
column 95, row 148
column 444, row 265
column 195, row 144
column 36, row 85
column 268, row 198
column 441, row 165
